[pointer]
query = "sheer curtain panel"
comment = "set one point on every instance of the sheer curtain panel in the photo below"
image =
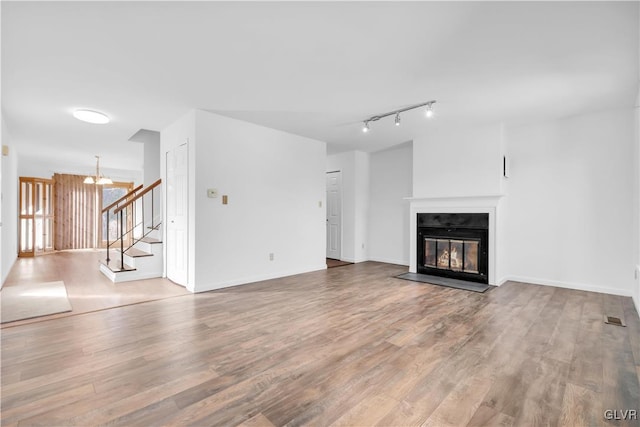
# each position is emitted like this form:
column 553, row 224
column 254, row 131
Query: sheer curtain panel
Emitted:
column 76, row 218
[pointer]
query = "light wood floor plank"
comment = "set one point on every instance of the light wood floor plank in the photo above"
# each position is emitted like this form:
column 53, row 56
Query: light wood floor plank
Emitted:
column 576, row 405
column 257, row 421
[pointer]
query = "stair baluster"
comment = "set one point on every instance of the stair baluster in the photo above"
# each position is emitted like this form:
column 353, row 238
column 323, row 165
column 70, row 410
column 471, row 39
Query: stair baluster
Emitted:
column 130, row 203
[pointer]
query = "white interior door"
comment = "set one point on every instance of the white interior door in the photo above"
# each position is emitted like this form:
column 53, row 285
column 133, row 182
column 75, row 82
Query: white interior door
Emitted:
column 177, row 220
column 334, row 215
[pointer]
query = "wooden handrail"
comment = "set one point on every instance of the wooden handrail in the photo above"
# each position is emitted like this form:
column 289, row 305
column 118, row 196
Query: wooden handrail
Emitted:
column 121, row 198
column 139, row 195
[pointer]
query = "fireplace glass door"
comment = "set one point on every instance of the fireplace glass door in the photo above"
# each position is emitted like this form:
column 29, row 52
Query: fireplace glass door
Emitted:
column 452, row 254
column 453, row 245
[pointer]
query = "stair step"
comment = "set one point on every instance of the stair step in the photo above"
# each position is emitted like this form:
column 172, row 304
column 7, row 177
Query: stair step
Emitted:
column 155, row 227
column 150, row 240
column 114, row 265
column 136, row 253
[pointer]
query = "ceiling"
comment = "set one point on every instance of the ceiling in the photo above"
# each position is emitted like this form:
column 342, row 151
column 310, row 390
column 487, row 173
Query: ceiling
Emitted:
column 315, row 69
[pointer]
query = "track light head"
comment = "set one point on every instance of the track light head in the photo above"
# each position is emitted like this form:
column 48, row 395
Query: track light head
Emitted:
column 365, row 128
column 429, row 112
column 397, row 119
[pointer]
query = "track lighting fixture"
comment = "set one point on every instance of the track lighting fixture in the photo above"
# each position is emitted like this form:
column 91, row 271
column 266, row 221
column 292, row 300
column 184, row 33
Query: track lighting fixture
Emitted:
column 429, row 114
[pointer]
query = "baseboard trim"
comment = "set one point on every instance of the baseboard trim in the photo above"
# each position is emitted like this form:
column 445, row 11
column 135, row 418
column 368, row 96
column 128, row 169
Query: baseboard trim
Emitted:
column 570, row 285
column 391, row 261
column 257, row 278
column 502, row 281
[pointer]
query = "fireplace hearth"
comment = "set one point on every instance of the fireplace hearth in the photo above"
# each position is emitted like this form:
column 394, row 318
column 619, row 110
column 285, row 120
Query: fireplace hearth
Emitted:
column 453, row 245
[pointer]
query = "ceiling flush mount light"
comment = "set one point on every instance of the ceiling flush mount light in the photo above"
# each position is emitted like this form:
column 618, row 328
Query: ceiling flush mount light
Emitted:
column 97, row 179
column 91, row 116
column 429, row 105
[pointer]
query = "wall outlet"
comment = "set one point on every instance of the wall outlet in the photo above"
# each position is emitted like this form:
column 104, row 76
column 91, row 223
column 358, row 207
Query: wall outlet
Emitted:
column 212, row 193
column 320, row 203
column 271, row 256
column 363, row 246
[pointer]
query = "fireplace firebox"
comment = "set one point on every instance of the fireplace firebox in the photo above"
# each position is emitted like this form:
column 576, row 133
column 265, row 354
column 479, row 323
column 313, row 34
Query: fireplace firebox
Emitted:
column 454, row 245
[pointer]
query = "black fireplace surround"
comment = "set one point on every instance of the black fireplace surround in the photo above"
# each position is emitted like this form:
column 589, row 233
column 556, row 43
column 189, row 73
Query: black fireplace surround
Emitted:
column 454, row 245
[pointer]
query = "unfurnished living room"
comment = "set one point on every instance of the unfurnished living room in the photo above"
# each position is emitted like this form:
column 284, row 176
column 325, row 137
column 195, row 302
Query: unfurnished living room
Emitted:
column 320, row 213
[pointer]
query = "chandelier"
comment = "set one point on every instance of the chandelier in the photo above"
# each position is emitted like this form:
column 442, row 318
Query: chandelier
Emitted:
column 97, row 179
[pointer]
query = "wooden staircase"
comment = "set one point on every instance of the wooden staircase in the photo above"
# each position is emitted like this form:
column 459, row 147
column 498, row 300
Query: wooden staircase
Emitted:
column 137, row 252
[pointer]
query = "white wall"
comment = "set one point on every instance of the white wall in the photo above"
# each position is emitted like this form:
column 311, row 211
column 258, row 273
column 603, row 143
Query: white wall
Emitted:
column 275, row 183
column 461, row 163
column 636, row 205
column 151, row 161
column 354, row 166
column 151, row 174
column 391, row 182
column 2, row 274
column 9, row 207
column 501, row 239
column 362, row 180
column 4, row 138
column 636, row 293
column 569, row 207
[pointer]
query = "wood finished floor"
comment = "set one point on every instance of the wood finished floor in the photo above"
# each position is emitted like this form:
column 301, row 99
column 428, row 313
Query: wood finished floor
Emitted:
column 87, row 289
column 345, row 346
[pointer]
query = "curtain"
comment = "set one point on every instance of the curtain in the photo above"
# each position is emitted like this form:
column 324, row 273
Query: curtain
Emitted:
column 76, row 218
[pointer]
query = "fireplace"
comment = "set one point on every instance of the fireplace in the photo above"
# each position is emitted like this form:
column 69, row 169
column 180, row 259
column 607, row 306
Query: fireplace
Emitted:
column 453, row 245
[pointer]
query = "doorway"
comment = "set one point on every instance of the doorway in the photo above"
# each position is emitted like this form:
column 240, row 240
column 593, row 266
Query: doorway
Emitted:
column 334, row 215
column 177, row 207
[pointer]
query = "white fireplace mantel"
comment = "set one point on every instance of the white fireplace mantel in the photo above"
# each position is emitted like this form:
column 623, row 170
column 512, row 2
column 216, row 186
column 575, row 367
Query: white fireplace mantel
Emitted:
column 456, row 204
column 484, row 198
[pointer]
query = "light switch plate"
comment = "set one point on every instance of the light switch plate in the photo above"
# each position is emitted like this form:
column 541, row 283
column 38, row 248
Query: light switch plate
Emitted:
column 212, row 193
